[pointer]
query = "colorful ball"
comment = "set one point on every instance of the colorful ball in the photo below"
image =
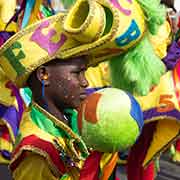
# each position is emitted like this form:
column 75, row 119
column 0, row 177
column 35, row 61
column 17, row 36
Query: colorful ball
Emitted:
column 110, row 120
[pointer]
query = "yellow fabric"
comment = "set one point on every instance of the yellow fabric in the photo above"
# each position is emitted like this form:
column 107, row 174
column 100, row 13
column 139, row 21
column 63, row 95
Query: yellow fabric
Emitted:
column 163, row 98
column 5, row 145
column 109, row 167
column 28, row 128
column 161, row 40
column 105, row 159
column 12, row 27
column 166, row 132
column 7, row 9
column 98, row 76
column 3, row 160
column 165, row 87
column 6, row 97
column 28, row 49
column 33, row 167
column 176, row 157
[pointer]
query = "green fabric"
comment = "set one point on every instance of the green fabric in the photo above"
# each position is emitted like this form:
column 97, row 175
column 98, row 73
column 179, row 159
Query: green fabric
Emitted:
column 109, row 20
column 46, row 12
column 64, row 177
column 73, row 120
column 28, row 93
column 18, row 139
column 74, row 126
column 15, row 58
column 155, row 14
column 45, row 124
column 172, row 150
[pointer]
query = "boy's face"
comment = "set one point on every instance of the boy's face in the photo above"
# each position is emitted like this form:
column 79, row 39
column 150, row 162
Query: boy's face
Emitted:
column 68, row 82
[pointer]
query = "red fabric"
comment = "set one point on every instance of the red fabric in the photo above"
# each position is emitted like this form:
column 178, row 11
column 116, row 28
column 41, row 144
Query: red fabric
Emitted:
column 4, row 132
column 149, row 172
column 178, row 145
column 44, row 146
column 90, row 170
column 135, row 170
column 179, row 22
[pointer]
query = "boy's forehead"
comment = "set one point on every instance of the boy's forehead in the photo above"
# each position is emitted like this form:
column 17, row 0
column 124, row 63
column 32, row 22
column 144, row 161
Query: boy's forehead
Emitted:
column 78, row 61
column 82, row 61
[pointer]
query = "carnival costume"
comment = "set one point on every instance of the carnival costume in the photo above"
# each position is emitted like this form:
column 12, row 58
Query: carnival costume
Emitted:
column 9, row 97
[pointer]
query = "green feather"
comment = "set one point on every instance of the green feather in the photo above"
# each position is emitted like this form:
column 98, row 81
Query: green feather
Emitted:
column 137, row 70
column 155, row 14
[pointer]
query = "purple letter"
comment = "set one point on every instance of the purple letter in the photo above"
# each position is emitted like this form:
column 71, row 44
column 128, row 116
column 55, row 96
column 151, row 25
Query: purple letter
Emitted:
column 118, row 6
column 44, row 41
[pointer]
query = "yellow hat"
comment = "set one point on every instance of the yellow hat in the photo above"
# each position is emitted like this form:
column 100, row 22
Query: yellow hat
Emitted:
column 97, row 28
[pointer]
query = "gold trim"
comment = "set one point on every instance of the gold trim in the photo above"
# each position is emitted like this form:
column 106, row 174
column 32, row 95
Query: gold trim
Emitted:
column 40, row 152
column 159, row 118
column 99, row 32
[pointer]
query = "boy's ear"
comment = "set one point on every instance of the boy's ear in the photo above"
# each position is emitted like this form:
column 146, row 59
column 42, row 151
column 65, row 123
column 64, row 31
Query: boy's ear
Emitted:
column 43, row 74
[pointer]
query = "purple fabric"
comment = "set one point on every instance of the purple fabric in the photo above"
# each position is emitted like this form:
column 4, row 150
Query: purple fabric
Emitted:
column 6, row 154
column 15, row 91
column 173, row 56
column 4, row 36
column 152, row 113
column 11, row 115
column 92, row 90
